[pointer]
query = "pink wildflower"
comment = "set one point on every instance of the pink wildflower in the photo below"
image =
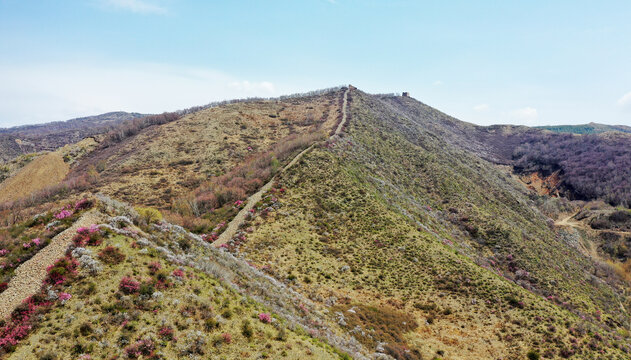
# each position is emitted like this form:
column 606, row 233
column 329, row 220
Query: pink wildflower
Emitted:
column 63, row 214
column 265, row 317
column 3, row 252
column 178, row 273
column 27, row 245
column 82, row 204
column 37, row 241
column 63, row 297
column 227, row 338
column 128, row 285
column 154, row 267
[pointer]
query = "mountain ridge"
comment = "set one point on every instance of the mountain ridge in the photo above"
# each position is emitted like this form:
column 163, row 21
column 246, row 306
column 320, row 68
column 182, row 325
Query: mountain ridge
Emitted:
column 406, row 233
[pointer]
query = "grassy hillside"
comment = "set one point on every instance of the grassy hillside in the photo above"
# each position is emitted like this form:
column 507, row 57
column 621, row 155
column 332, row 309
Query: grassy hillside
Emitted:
column 175, row 158
column 123, row 295
column 394, row 219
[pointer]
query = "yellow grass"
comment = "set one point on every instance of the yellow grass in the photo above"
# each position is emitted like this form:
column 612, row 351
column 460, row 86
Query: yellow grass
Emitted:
column 47, row 170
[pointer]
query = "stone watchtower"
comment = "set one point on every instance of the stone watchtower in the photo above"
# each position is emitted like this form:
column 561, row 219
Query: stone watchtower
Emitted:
column 406, row 94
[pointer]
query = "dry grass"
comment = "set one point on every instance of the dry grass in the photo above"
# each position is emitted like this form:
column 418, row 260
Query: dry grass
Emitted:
column 164, row 162
column 45, row 171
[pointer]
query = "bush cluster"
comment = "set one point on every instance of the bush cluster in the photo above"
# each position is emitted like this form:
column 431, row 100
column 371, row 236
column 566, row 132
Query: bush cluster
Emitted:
column 592, row 166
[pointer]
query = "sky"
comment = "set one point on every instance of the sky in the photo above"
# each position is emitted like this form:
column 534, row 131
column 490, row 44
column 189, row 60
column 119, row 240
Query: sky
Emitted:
column 487, row 62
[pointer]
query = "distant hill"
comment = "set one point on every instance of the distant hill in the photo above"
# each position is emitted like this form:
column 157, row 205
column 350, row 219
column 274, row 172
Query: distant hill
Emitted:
column 50, row 136
column 591, row 128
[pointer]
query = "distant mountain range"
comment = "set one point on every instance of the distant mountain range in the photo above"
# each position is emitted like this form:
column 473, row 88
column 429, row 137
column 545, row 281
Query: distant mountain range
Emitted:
column 591, row 128
column 24, row 139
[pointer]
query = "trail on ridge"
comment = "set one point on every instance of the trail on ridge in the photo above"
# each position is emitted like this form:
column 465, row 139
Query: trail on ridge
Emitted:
column 29, row 276
column 233, row 225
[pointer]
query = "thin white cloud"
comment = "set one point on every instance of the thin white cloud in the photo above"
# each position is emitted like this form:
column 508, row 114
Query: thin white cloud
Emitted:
column 248, row 86
column 52, row 92
column 527, row 115
column 437, row 83
column 136, row 6
column 625, row 100
column 481, row 107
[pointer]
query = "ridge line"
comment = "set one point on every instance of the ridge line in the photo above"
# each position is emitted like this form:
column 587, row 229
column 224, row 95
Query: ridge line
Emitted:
column 233, row 225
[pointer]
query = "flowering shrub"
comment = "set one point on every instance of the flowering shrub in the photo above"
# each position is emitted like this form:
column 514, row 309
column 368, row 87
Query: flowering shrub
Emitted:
column 63, row 214
column 178, row 273
column 3, row 252
column 21, row 320
column 144, row 347
column 111, row 255
column 129, row 286
column 265, row 317
column 238, row 203
column 61, row 270
column 154, row 267
column 88, row 236
column 83, row 204
column 166, row 333
column 63, row 297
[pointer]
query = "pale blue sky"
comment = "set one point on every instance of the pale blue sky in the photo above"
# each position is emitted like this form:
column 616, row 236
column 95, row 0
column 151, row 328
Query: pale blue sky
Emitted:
column 528, row 62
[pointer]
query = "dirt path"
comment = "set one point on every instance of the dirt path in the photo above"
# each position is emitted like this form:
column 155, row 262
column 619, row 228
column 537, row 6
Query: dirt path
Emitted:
column 568, row 221
column 29, row 276
column 234, row 224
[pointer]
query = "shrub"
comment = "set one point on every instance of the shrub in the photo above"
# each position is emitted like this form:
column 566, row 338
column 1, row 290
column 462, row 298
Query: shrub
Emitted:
column 83, row 204
column 61, row 270
column 227, row 338
column 146, row 288
column 85, row 329
column 88, row 236
column 282, row 334
column 149, row 215
column 129, row 286
column 111, row 255
column 179, row 273
column 154, row 267
column 533, row 355
column 265, row 317
column 63, row 214
column 144, row 348
column 166, row 333
column 246, row 329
